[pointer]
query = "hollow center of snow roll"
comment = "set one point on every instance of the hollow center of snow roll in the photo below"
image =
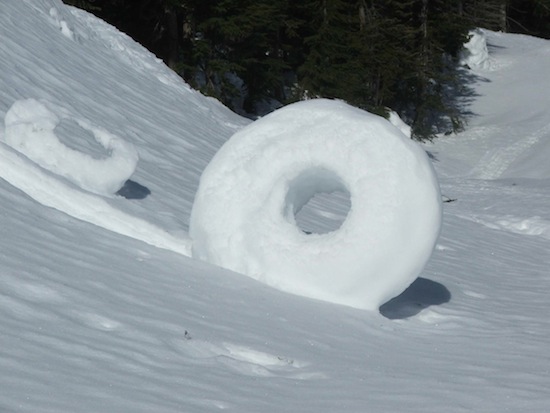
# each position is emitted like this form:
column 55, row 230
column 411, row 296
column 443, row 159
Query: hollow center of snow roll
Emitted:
column 318, row 201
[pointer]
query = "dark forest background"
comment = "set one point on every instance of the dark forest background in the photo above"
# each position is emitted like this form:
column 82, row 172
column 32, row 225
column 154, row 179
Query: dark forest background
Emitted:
column 255, row 55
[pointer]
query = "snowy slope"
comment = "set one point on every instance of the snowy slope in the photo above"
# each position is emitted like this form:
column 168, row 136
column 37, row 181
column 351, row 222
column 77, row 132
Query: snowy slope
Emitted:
column 92, row 320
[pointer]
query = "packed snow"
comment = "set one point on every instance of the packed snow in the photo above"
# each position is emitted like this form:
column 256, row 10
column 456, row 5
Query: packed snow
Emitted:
column 49, row 191
column 475, row 53
column 30, row 129
column 396, row 121
column 244, row 215
column 102, row 311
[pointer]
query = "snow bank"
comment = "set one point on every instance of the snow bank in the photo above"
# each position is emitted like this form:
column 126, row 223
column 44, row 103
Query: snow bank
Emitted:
column 243, row 217
column 396, row 121
column 476, row 54
column 30, row 129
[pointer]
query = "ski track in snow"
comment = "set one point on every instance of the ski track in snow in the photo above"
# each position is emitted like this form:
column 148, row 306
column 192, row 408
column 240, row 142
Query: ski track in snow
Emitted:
column 496, row 161
column 535, row 225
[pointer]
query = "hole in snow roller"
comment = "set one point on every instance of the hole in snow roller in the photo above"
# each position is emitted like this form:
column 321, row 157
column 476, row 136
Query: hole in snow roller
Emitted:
column 317, row 201
column 245, row 213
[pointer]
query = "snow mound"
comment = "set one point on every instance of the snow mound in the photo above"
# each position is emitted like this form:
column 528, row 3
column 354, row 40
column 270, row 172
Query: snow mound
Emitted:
column 61, row 23
column 476, row 54
column 243, row 217
column 396, row 121
column 30, row 129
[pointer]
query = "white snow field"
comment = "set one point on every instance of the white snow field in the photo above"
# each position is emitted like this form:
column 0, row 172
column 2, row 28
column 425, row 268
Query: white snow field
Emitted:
column 102, row 311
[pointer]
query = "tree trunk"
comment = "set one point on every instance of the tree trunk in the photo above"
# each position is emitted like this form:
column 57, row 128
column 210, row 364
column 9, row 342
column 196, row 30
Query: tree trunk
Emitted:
column 173, row 38
column 503, row 17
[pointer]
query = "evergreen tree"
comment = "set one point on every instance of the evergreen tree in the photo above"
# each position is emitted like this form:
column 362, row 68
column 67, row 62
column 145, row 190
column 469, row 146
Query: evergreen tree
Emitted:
column 248, row 39
column 395, row 53
column 530, row 17
column 442, row 33
column 372, row 53
column 489, row 14
column 328, row 50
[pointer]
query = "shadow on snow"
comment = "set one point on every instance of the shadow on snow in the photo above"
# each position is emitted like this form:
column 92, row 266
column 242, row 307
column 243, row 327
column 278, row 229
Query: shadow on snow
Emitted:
column 421, row 294
column 133, row 190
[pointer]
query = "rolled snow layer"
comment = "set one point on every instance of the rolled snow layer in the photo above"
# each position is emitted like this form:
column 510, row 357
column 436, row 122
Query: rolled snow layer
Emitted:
column 30, row 129
column 243, row 217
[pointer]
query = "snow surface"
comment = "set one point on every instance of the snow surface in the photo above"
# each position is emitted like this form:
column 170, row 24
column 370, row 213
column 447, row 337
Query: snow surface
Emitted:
column 244, row 215
column 30, row 129
column 93, row 319
column 475, row 53
column 396, row 121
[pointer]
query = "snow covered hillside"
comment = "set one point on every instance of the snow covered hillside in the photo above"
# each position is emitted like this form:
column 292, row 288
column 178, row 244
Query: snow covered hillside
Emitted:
column 101, row 309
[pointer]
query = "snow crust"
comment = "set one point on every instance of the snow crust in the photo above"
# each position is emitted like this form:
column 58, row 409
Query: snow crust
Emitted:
column 30, row 129
column 243, row 217
column 101, row 311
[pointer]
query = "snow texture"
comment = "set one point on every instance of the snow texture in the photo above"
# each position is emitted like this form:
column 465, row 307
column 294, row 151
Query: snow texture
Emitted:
column 396, row 121
column 51, row 192
column 30, row 129
column 475, row 53
column 101, row 311
column 244, row 213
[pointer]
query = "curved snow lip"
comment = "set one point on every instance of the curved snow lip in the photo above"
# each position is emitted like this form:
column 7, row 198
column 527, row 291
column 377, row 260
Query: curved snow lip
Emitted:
column 30, row 131
column 30, row 128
